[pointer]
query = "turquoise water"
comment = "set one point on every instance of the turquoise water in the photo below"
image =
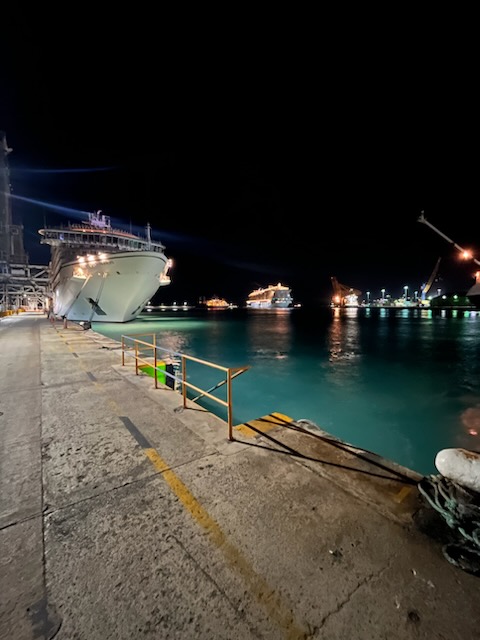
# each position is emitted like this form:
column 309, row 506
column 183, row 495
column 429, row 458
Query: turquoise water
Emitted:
column 404, row 383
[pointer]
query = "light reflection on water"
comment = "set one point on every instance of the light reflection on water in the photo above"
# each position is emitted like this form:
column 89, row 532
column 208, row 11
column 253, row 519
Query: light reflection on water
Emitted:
column 269, row 334
column 402, row 383
column 343, row 345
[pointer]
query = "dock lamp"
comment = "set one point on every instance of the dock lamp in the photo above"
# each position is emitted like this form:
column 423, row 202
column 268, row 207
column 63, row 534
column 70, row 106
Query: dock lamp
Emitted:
column 406, row 292
column 383, row 294
column 368, row 297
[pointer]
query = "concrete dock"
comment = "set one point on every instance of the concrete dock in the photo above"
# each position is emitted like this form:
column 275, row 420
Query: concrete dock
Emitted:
column 124, row 516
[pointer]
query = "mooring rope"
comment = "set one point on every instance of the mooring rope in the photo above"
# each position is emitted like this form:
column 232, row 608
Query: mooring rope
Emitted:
column 460, row 508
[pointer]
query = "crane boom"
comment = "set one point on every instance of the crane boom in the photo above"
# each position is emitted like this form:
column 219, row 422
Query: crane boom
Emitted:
column 423, row 220
column 431, row 280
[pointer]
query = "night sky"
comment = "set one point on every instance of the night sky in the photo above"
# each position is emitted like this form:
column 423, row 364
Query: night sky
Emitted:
column 254, row 161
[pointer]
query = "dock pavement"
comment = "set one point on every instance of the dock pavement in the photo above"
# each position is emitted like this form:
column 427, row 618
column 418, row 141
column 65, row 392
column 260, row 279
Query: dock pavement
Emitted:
column 125, row 516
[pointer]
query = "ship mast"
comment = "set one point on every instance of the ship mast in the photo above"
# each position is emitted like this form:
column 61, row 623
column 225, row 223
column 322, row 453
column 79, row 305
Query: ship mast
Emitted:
column 149, row 236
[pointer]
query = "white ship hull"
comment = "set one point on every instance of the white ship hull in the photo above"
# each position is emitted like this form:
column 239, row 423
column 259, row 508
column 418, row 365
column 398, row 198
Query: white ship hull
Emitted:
column 269, row 304
column 115, row 290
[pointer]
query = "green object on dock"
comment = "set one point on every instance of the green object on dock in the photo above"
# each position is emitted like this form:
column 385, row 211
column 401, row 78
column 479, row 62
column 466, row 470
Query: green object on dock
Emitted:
column 149, row 370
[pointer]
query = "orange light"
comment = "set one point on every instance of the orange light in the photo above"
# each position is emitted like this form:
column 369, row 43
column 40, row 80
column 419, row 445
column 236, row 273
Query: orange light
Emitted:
column 466, row 255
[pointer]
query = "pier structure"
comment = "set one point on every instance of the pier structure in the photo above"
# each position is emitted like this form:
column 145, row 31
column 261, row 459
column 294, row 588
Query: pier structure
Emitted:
column 22, row 285
column 126, row 515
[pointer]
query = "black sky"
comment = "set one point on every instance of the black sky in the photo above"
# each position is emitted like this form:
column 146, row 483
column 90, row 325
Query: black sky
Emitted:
column 256, row 159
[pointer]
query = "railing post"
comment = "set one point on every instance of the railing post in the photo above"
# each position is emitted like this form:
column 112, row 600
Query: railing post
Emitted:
column 229, row 408
column 123, row 351
column 155, row 362
column 184, row 378
column 136, row 358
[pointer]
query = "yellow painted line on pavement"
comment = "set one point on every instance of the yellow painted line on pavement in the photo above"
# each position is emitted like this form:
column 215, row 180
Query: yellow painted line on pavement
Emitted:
column 259, row 587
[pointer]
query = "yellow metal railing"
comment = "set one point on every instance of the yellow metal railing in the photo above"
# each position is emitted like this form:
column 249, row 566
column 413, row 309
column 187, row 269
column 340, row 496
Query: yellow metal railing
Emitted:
column 147, row 354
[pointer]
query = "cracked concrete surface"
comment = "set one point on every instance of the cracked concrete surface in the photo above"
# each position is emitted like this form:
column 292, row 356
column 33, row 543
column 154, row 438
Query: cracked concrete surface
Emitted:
column 169, row 530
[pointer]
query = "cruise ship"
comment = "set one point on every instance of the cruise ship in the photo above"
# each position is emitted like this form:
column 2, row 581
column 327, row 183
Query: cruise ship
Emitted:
column 275, row 296
column 101, row 274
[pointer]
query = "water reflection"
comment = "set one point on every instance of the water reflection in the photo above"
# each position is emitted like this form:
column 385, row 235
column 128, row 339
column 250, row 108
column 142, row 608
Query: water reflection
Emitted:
column 471, row 421
column 170, row 333
column 270, row 334
column 343, row 336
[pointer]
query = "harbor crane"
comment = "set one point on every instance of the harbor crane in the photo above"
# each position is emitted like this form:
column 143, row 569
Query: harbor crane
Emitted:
column 473, row 294
column 343, row 295
column 467, row 255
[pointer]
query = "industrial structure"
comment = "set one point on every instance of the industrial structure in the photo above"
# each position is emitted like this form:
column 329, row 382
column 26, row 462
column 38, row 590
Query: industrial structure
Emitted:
column 343, row 295
column 473, row 293
column 22, row 285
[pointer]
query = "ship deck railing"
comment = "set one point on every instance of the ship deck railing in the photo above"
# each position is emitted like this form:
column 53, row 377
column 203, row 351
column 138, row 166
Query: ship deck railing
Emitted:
column 80, row 236
column 152, row 359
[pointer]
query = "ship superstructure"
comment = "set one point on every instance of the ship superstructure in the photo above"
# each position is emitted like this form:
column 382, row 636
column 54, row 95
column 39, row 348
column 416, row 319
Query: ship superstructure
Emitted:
column 276, row 296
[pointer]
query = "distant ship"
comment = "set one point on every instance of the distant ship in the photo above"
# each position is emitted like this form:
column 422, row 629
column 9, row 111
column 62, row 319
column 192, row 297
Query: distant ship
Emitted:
column 101, row 274
column 218, row 303
column 276, row 296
